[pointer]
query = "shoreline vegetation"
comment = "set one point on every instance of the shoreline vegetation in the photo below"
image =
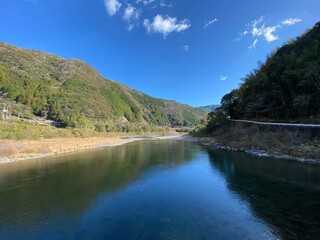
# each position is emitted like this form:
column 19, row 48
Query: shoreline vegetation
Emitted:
column 289, row 143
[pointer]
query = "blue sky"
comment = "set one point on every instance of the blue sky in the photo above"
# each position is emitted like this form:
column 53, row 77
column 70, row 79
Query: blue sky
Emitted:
column 190, row 51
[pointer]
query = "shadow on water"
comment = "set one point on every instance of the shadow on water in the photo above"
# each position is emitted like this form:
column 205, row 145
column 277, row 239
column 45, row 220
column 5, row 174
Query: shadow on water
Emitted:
column 72, row 182
column 283, row 193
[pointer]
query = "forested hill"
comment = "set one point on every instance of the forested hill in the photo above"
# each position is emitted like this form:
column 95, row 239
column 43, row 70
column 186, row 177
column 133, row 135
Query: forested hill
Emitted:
column 285, row 87
column 71, row 91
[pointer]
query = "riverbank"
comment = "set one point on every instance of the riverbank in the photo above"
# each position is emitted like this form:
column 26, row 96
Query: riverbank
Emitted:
column 257, row 152
column 13, row 150
column 301, row 145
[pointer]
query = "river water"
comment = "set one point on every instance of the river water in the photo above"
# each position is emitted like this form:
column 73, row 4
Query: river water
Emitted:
column 167, row 189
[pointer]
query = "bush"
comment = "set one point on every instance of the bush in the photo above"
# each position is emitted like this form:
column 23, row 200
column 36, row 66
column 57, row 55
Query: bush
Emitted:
column 216, row 119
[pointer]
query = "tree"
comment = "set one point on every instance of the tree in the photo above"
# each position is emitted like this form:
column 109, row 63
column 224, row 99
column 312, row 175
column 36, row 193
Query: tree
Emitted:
column 55, row 111
column 230, row 103
column 286, row 86
column 215, row 120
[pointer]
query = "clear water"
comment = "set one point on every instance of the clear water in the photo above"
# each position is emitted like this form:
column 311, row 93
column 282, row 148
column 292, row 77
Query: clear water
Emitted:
column 168, row 189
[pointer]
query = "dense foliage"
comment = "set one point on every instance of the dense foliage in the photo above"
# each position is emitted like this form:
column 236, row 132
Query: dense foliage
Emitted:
column 286, row 86
column 72, row 92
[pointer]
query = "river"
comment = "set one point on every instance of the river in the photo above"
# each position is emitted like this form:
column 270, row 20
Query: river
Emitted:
column 164, row 189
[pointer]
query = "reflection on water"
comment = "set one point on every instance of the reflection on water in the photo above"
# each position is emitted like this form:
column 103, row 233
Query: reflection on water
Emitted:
column 285, row 194
column 168, row 189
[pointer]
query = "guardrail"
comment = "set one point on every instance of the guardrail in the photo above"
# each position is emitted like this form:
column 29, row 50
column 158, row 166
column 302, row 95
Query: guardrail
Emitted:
column 278, row 124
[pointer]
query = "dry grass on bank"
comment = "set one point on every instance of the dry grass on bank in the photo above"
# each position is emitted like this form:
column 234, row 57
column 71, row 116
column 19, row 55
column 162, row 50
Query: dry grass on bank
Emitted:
column 20, row 140
column 291, row 141
column 11, row 149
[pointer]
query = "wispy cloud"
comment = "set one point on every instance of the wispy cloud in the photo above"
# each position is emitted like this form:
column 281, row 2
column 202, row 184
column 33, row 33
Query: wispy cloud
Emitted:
column 255, row 22
column 165, row 25
column 258, row 29
column 223, row 78
column 145, row 2
column 160, row 3
column 130, row 13
column 112, row 6
column 242, row 34
column 131, row 16
column 253, row 45
column 163, row 4
column 291, row 21
column 186, row 48
column 261, row 30
column 210, row 22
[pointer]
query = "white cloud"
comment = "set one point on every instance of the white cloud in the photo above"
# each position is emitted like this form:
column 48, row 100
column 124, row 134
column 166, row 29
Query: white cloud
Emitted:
column 253, row 45
column 291, row 21
column 186, row 48
column 131, row 16
column 245, row 33
column 267, row 32
column 165, row 25
column 255, row 30
column 210, row 22
column 223, row 78
column 130, row 13
column 112, row 6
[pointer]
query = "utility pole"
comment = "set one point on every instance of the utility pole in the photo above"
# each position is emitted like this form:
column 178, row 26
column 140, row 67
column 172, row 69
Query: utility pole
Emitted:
column 5, row 112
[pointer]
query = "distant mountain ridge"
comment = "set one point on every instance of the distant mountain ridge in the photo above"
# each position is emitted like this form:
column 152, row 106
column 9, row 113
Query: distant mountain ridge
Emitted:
column 209, row 108
column 72, row 91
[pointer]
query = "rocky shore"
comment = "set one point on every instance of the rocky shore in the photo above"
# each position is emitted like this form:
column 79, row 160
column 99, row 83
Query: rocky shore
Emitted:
column 207, row 141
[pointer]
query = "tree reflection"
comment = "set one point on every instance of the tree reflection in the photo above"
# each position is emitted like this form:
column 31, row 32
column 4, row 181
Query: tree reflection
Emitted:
column 71, row 183
column 284, row 194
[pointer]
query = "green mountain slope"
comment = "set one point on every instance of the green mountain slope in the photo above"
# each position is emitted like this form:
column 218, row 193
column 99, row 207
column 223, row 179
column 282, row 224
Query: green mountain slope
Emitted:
column 74, row 92
column 286, row 87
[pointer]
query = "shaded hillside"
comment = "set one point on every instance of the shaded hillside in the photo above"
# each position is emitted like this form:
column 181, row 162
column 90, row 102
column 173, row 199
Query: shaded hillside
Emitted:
column 42, row 84
column 285, row 87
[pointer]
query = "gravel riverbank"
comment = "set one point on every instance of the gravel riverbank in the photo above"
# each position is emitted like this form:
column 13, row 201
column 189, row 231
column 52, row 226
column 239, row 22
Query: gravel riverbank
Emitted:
column 257, row 152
